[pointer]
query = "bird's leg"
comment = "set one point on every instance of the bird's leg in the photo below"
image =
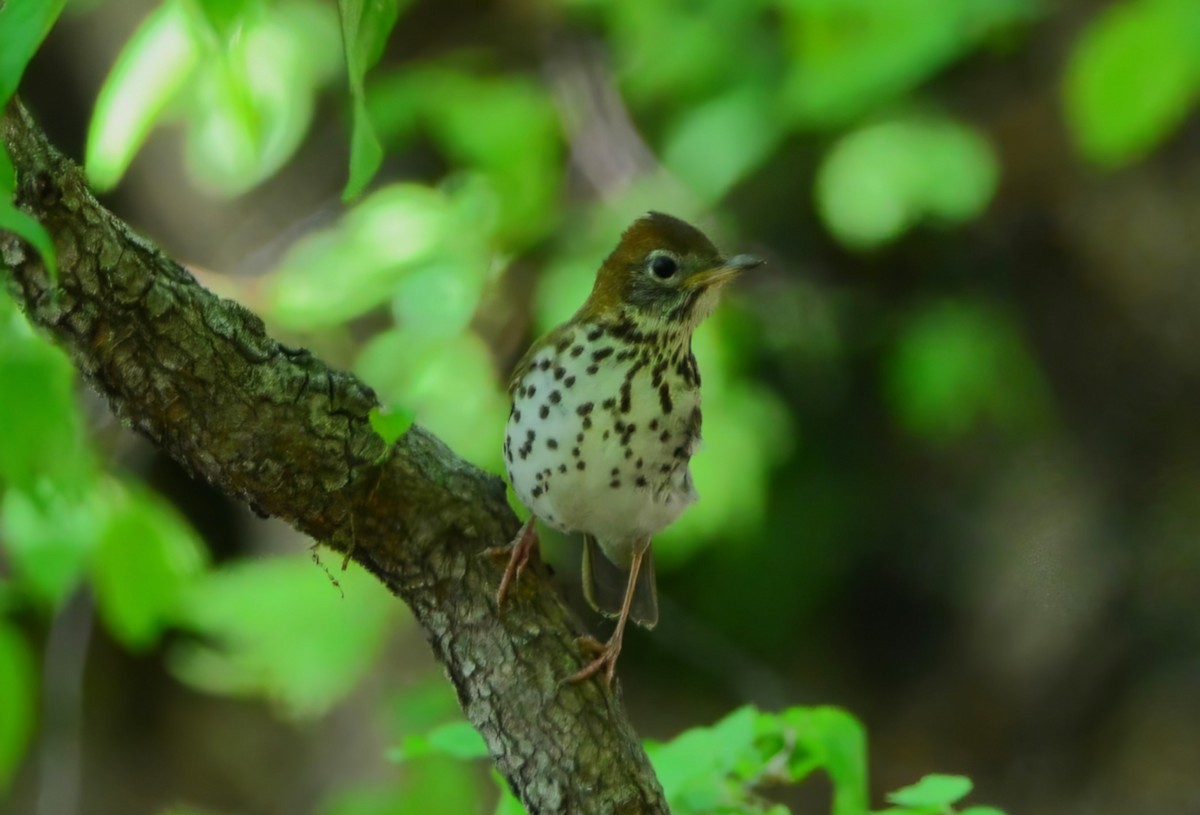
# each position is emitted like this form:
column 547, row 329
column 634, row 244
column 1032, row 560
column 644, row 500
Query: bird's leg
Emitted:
column 521, row 549
column 606, row 655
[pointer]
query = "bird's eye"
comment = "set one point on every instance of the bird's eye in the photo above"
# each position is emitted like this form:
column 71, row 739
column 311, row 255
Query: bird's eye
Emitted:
column 663, row 266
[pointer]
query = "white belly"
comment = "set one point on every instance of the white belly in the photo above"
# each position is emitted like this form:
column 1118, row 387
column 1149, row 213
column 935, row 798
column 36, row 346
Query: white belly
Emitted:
column 618, row 471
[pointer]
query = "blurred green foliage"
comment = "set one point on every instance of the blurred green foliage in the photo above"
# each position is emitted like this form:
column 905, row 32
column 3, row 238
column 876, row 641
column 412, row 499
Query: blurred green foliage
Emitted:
column 421, row 268
column 23, row 26
column 733, row 766
column 1133, row 77
column 242, row 75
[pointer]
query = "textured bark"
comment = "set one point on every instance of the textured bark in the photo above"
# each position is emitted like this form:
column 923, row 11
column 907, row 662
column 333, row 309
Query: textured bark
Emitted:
column 279, row 429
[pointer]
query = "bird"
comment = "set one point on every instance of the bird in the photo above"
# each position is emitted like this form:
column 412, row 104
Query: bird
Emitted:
column 606, row 416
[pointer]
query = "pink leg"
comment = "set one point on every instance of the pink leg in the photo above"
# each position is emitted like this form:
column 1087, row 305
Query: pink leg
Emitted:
column 523, row 546
column 606, row 655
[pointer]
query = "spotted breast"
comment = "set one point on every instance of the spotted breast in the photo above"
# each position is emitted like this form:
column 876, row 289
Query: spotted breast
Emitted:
column 603, row 423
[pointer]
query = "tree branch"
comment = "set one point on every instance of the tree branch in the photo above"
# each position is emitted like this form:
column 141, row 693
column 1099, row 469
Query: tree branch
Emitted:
column 277, row 428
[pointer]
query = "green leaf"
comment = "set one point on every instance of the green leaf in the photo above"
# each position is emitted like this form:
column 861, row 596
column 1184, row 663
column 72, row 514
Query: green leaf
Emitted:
column 693, row 766
column 959, row 365
column 278, row 627
column 366, row 152
column 391, row 423
column 146, row 555
column 252, row 103
column 838, row 742
column 18, row 679
column 933, row 791
column 19, row 223
column 519, row 153
column 1132, row 78
column 714, row 146
column 15, row 221
column 23, row 26
column 846, row 58
column 366, row 25
column 49, row 539
column 451, row 384
column 154, row 65
column 882, row 179
column 981, row 810
column 337, row 274
column 457, row 739
column 225, row 17
column 43, row 439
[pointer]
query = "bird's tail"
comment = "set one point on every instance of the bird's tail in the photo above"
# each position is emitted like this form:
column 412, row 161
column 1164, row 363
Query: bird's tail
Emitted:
column 605, row 583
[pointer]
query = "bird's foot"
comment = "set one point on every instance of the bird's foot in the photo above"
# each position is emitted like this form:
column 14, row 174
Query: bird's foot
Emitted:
column 604, row 658
column 518, row 553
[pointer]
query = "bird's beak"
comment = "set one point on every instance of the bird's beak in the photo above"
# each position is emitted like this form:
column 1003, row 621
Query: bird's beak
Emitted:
column 729, row 269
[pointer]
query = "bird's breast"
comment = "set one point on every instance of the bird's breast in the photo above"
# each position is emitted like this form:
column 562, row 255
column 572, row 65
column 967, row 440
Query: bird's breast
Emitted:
column 601, row 431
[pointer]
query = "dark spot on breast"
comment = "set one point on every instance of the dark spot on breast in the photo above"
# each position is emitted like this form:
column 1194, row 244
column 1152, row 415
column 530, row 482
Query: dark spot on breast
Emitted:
column 603, row 353
column 579, row 437
column 575, row 452
column 641, row 480
column 577, row 350
column 584, row 409
column 615, row 483
column 628, row 452
column 532, row 390
column 564, row 343
column 552, row 444
column 616, row 471
column 569, row 381
column 544, row 411
column 560, row 372
column 539, row 476
column 545, row 364
column 579, row 465
column 666, row 434
column 654, row 424
column 656, row 377
column 516, row 414
column 521, row 391
column 587, row 422
column 666, row 468
column 595, row 334
column 608, row 404
column 605, row 437
column 591, row 369
column 680, row 453
column 562, row 468
column 529, row 435
column 628, row 353
column 555, row 397
column 537, row 491
column 638, row 464
column 664, row 397
column 625, row 396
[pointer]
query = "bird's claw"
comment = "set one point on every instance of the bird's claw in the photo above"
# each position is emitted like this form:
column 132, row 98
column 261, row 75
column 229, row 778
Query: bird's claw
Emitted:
column 519, row 552
column 604, row 659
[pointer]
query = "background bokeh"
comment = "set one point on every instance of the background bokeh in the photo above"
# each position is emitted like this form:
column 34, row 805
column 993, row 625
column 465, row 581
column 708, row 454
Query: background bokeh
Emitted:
column 951, row 473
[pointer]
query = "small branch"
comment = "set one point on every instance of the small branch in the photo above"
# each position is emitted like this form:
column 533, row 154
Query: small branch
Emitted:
column 277, row 428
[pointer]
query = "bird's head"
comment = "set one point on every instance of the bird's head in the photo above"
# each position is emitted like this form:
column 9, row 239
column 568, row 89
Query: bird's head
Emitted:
column 664, row 271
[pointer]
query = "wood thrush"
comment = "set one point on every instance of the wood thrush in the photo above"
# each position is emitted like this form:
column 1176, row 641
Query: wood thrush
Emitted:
column 606, row 416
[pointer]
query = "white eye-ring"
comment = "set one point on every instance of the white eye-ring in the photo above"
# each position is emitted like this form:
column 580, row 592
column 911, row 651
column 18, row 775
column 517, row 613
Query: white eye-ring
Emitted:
column 662, row 264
